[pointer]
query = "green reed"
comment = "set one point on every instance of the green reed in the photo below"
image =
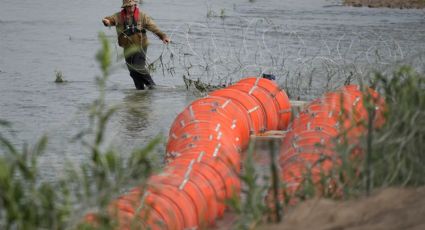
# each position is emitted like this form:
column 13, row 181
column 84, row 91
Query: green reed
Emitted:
column 391, row 155
column 386, row 156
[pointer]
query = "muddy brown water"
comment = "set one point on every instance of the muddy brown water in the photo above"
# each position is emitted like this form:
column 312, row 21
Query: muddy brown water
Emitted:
column 308, row 44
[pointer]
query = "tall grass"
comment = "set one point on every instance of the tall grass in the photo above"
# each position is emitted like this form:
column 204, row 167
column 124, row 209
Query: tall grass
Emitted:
column 397, row 157
column 388, row 156
column 249, row 207
column 391, row 155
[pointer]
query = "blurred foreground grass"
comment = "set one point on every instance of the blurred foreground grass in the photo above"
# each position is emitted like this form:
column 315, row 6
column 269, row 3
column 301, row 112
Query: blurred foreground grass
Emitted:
column 392, row 156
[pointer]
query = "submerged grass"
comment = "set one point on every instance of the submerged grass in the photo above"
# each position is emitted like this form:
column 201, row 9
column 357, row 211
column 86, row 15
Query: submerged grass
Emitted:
column 59, row 77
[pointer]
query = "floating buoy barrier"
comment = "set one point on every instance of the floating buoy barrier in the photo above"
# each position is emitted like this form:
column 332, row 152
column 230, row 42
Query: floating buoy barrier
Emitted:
column 203, row 157
column 191, row 188
column 207, row 139
column 281, row 99
column 249, row 104
column 265, row 100
column 220, row 110
column 203, row 152
column 308, row 146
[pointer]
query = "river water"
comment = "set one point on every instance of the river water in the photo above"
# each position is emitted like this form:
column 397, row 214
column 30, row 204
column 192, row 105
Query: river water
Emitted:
column 310, row 45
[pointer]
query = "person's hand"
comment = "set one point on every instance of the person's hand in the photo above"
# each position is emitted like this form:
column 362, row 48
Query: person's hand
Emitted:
column 106, row 22
column 166, row 40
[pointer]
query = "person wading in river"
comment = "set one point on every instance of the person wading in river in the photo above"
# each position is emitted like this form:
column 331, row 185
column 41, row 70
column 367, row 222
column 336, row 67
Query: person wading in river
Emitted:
column 131, row 25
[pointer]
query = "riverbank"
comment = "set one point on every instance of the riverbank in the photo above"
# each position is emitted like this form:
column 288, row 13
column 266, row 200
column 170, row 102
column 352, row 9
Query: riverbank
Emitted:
column 390, row 209
column 402, row 4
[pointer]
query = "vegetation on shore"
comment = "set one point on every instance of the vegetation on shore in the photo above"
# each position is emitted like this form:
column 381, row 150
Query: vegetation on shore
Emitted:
column 402, row 4
column 392, row 155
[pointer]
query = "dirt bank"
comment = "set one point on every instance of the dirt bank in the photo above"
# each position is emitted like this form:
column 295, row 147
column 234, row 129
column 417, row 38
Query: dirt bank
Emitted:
column 389, row 209
column 418, row 4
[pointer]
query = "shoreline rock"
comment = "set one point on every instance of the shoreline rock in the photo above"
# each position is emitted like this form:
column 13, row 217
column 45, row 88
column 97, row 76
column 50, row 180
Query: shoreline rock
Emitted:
column 402, row 4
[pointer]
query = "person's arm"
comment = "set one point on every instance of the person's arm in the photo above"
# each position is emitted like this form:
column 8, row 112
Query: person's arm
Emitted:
column 150, row 25
column 109, row 21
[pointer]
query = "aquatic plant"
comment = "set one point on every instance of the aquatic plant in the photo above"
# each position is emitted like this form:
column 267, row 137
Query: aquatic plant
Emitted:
column 59, row 76
column 222, row 13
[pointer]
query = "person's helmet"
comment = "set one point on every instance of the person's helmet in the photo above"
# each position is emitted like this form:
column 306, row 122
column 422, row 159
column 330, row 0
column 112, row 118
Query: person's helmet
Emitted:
column 126, row 3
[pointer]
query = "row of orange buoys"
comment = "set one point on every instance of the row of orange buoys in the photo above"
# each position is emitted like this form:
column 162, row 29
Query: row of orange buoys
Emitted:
column 203, row 157
column 207, row 137
column 308, row 147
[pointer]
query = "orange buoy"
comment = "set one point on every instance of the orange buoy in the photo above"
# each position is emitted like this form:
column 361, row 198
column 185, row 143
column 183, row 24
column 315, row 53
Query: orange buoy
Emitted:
column 209, row 175
column 250, row 104
column 375, row 99
column 184, row 119
column 129, row 219
column 315, row 125
column 201, row 183
column 207, row 150
column 308, row 147
column 229, row 109
column 181, row 200
column 190, row 189
column 266, row 101
column 203, row 156
column 280, row 98
column 200, row 131
column 168, row 211
column 229, row 175
column 232, row 159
